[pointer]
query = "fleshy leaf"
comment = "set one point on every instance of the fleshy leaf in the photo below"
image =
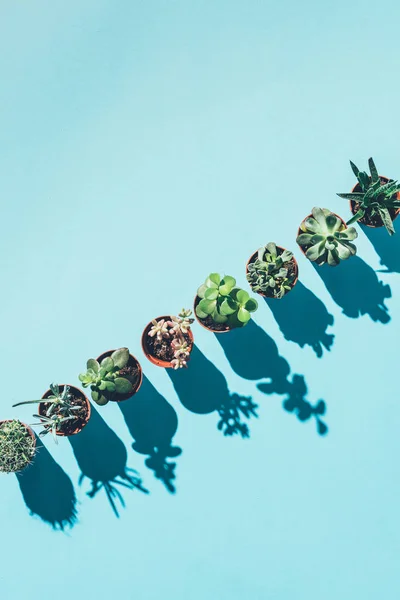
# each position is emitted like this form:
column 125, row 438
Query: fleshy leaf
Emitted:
column 122, row 385
column 120, row 357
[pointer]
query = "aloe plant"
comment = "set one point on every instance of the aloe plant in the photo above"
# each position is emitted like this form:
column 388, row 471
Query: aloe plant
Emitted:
column 17, row 447
column 376, row 198
column 105, row 378
column 60, row 410
column 325, row 238
column 269, row 273
column 223, row 302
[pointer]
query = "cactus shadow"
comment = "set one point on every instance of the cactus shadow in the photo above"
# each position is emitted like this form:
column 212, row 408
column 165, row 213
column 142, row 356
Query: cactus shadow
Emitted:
column 153, row 422
column 47, row 490
column 254, row 355
column 387, row 248
column 355, row 287
column 102, row 458
column 303, row 319
column 202, row 389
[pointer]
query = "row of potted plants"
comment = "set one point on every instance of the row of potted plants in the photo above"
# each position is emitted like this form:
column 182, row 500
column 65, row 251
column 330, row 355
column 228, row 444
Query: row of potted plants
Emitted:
column 219, row 306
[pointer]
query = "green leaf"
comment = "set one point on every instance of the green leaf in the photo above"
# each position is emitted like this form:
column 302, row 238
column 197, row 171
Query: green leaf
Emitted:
column 310, row 225
column 200, row 313
column 252, row 304
column 359, row 215
column 211, row 294
column 373, row 170
column 110, row 386
column 243, row 315
column 227, row 285
column 214, row 278
column 228, row 306
column 120, row 357
column 107, row 364
column 93, row 364
column 315, row 252
column 100, row 399
column 333, row 258
column 355, row 196
column 218, row 318
column 354, row 169
column 207, row 306
column 304, row 239
column 242, row 296
column 202, row 290
column 123, row 386
column 348, row 234
column 387, row 220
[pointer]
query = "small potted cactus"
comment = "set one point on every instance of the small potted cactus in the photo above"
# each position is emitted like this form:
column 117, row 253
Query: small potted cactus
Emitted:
column 374, row 200
column 115, row 375
column 63, row 411
column 325, row 238
column 168, row 341
column 17, row 446
column 221, row 306
column 272, row 271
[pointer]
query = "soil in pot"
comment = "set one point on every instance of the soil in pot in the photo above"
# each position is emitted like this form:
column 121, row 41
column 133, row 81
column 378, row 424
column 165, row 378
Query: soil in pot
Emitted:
column 132, row 372
column 209, row 323
column 291, row 266
column 161, row 350
column 78, row 398
column 368, row 219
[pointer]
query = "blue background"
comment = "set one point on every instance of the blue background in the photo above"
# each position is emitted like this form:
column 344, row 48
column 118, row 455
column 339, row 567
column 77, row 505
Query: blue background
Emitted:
column 143, row 145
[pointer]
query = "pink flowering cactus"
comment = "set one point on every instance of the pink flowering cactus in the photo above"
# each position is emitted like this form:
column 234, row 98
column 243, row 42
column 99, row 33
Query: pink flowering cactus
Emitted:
column 174, row 330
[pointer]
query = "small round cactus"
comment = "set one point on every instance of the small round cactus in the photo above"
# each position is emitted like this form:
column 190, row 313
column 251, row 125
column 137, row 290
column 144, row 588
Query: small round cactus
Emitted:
column 17, row 446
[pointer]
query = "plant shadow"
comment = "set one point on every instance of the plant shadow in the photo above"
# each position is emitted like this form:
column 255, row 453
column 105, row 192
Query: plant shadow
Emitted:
column 254, row 355
column 102, row 458
column 303, row 319
column 355, row 287
column 387, row 248
column 47, row 490
column 153, row 422
column 202, row 389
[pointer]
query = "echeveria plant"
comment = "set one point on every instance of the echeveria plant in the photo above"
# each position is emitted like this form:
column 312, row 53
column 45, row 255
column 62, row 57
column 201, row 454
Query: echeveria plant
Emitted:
column 376, row 198
column 59, row 411
column 105, row 378
column 269, row 273
column 17, row 447
column 325, row 238
column 174, row 330
column 223, row 302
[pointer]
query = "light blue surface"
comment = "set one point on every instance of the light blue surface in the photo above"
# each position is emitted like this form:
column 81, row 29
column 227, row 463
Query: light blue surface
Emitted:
column 143, row 145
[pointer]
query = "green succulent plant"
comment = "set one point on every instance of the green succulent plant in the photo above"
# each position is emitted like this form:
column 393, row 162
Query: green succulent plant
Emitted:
column 269, row 273
column 17, row 447
column 221, row 300
column 59, row 411
column 376, row 198
column 325, row 238
column 105, row 378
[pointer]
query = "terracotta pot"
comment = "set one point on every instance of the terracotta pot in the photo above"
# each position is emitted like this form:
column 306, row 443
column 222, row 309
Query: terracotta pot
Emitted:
column 30, row 431
column 196, row 301
column 357, row 188
column 76, row 391
column 296, row 270
column 299, row 231
column 156, row 361
column 122, row 397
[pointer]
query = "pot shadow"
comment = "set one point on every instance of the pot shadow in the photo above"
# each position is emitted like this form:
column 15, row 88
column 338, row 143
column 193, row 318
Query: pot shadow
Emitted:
column 47, row 490
column 153, row 422
column 102, row 458
column 355, row 287
column 254, row 355
column 202, row 389
column 303, row 319
column 387, row 248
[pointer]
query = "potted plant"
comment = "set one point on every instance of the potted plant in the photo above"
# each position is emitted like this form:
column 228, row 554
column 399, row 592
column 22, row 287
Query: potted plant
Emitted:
column 374, row 200
column 63, row 410
column 17, row 446
column 221, row 306
column 272, row 271
column 168, row 341
column 325, row 238
column 115, row 375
